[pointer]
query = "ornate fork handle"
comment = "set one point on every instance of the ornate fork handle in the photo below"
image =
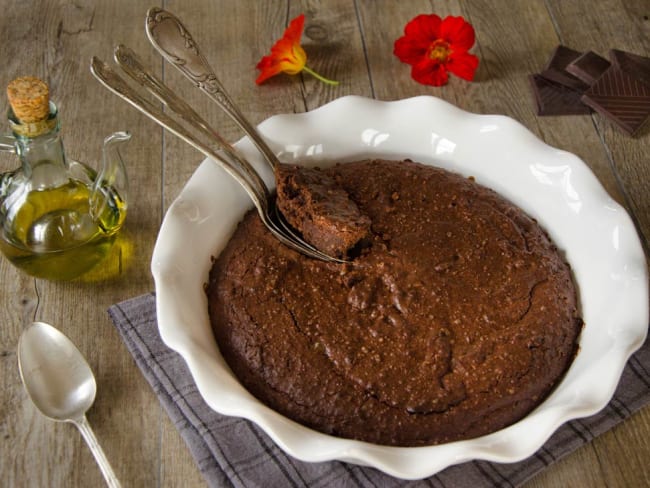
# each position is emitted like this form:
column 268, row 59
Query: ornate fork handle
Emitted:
column 170, row 37
column 132, row 66
column 117, row 85
column 225, row 158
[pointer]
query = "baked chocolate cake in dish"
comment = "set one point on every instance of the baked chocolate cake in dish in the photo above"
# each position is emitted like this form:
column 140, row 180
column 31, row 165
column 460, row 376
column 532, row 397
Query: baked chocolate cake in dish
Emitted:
column 316, row 205
column 456, row 319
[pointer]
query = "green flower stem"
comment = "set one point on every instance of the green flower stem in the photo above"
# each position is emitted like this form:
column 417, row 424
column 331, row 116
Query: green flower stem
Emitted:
column 319, row 77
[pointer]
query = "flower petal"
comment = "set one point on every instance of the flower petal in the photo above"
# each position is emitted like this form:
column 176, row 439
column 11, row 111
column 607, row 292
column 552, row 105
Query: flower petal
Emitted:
column 435, row 46
column 409, row 50
column 429, row 72
column 284, row 58
column 287, row 55
column 296, row 62
column 268, row 68
column 457, row 32
column 294, row 32
column 462, row 64
column 424, row 27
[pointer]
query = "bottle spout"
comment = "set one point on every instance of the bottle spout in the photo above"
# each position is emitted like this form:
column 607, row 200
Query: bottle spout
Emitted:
column 111, row 184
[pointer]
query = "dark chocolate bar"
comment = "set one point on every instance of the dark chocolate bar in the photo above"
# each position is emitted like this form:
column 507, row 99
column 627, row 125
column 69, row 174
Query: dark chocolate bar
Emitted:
column 633, row 64
column 588, row 67
column 555, row 99
column 555, row 69
column 621, row 98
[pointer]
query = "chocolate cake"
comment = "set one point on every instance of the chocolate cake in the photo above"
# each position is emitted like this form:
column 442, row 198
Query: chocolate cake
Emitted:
column 457, row 319
column 320, row 209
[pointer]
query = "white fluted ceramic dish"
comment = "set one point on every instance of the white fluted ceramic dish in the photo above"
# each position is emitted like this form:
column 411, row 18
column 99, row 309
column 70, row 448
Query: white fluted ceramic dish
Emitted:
column 553, row 186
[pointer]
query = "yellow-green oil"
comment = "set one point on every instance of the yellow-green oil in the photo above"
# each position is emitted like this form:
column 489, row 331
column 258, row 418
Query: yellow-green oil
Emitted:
column 51, row 234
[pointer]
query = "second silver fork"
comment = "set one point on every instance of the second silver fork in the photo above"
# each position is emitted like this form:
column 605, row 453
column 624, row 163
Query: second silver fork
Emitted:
column 237, row 166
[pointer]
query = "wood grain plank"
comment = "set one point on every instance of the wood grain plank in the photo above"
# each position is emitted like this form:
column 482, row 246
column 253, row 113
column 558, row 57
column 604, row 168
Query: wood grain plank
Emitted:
column 621, row 25
column 594, row 465
column 18, row 298
column 65, row 36
column 333, row 42
column 628, row 440
column 580, row 469
column 348, row 40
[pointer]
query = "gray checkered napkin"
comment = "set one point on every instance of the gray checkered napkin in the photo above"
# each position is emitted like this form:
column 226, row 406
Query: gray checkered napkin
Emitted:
column 235, row 452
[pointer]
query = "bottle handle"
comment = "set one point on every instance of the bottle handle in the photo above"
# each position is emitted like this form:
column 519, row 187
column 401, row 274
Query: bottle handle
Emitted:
column 7, row 143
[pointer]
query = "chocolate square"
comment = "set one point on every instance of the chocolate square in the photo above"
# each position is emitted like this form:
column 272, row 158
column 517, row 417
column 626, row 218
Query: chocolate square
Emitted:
column 555, row 69
column 555, row 99
column 633, row 64
column 588, row 67
column 561, row 57
column 621, row 98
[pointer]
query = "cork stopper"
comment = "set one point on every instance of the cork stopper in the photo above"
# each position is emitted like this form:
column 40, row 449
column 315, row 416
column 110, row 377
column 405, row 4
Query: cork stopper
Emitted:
column 29, row 98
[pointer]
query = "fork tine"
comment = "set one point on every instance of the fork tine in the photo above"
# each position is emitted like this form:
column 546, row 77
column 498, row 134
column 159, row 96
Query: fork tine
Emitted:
column 279, row 219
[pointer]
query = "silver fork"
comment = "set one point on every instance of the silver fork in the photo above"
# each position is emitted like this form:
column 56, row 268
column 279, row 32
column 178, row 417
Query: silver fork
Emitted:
column 225, row 155
column 132, row 66
column 174, row 41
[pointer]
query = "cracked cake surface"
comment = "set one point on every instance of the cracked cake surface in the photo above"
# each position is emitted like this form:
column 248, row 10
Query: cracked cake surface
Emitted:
column 457, row 319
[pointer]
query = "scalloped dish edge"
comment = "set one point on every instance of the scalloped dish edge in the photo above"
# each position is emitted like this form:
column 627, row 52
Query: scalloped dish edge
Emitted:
column 554, row 186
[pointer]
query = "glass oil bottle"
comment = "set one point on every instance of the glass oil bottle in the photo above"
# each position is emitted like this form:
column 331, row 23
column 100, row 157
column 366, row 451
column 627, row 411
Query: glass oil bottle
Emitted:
column 58, row 218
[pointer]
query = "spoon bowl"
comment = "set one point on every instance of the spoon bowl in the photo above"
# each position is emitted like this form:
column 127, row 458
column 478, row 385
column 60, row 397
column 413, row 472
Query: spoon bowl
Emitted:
column 56, row 376
column 60, row 383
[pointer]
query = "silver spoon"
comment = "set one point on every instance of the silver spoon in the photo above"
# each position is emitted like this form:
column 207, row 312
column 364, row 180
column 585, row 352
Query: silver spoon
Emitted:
column 60, row 383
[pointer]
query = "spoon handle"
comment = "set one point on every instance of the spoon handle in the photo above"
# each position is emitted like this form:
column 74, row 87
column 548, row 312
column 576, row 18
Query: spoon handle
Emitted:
column 172, row 39
column 95, row 448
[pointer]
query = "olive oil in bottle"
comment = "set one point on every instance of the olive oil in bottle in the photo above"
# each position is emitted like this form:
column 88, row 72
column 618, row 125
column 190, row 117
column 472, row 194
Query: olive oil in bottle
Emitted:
column 52, row 234
column 58, row 218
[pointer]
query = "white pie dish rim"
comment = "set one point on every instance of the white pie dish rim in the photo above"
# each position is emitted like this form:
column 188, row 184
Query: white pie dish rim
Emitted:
column 554, row 186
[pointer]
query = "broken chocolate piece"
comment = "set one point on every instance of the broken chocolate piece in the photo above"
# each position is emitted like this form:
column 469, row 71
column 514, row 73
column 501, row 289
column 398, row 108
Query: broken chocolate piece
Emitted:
column 621, row 98
column 633, row 64
column 316, row 206
column 555, row 99
column 588, row 67
column 556, row 68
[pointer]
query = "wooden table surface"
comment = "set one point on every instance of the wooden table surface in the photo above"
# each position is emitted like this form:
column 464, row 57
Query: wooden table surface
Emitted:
column 349, row 40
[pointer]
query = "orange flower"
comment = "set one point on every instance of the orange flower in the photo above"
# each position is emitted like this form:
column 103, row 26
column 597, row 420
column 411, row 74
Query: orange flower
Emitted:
column 287, row 55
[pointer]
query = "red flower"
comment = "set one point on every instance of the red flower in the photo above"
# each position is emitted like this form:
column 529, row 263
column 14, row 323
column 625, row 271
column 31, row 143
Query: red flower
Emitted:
column 433, row 46
column 287, row 55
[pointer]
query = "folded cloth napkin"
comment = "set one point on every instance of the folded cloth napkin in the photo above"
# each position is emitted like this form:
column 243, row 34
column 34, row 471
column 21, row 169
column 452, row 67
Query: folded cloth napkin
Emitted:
column 235, row 452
